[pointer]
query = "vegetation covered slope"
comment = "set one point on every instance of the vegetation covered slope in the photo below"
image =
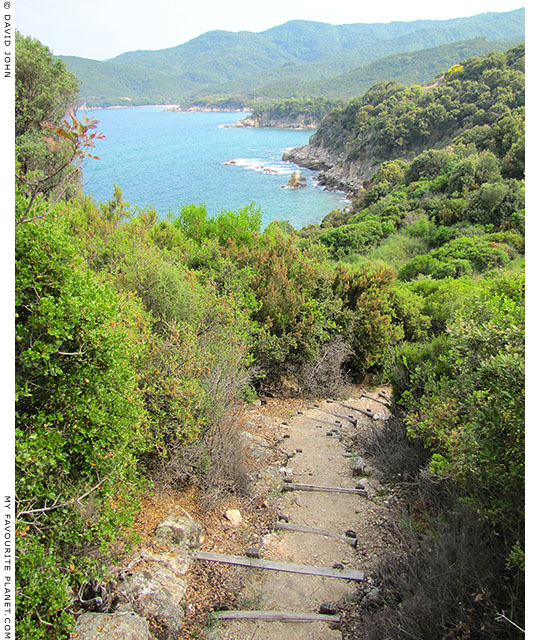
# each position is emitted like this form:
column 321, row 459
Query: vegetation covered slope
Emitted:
column 296, row 52
column 417, row 67
column 307, row 113
column 135, row 336
column 395, row 121
column 323, row 78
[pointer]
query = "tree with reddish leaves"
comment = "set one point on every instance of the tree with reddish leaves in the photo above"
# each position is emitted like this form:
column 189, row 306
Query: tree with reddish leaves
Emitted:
column 50, row 141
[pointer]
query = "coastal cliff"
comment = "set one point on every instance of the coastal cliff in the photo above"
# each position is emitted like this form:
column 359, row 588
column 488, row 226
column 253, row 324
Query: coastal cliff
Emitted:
column 336, row 173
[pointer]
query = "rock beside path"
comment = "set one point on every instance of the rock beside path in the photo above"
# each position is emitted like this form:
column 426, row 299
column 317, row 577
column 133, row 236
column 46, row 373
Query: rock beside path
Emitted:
column 234, row 517
column 179, row 533
column 151, row 589
column 157, row 595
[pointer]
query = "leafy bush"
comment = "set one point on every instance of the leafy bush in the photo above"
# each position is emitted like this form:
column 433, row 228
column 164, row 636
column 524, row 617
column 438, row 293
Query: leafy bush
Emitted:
column 364, row 319
column 473, row 415
column 355, row 237
column 80, row 415
column 459, row 257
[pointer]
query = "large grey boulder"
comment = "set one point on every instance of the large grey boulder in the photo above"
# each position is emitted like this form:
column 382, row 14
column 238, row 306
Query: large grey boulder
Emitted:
column 179, row 533
column 111, row 626
column 156, row 589
column 158, row 596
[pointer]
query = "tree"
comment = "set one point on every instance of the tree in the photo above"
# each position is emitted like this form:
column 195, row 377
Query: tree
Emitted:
column 44, row 91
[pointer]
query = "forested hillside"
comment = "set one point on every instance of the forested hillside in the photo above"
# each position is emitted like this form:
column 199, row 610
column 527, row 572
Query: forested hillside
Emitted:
column 394, row 121
column 136, row 336
column 443, row 207
column 291, row 60
column 321, row 78
column 306, row 113
column 414, row 68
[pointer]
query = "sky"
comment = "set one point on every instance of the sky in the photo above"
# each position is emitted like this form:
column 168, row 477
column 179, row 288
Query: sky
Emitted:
column 102, row 29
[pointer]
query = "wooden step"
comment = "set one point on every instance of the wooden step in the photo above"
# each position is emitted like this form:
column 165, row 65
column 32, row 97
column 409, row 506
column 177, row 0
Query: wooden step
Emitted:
column 365, row 412
column 276, row 616
column 353, row 421
column 345, row 574
column 303, row 529
column 337, row 423
column 310, row 487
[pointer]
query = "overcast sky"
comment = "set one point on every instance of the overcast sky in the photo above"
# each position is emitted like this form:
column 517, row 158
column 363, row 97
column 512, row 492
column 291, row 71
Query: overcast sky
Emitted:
column 102, row 29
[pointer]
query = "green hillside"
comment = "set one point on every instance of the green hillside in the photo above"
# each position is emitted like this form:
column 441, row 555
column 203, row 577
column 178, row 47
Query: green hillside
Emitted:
column 408, row 68
column 415, row 67
column 105, row 84
column 391, row 120
column 270, row 63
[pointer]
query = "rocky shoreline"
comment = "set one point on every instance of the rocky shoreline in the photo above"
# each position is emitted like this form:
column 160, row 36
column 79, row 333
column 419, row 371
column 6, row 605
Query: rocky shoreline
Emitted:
column 335, row 172
column 273, row 123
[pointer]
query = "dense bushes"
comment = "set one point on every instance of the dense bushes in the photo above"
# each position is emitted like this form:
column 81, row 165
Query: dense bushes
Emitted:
column 80, row 418
column 134, row 338
column 462, row 395
column 391, row 120
column 480, row 443
column 462, row 256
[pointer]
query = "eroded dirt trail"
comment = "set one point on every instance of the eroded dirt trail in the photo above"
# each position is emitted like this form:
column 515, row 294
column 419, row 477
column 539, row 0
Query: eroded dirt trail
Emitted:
column 319, row 442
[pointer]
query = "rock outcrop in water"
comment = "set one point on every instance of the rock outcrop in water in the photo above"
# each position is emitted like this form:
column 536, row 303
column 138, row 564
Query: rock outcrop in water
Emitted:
column 296, row 180
column 336, row 172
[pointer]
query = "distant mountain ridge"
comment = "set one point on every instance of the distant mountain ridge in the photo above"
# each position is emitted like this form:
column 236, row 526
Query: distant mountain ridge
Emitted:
column 223, row 63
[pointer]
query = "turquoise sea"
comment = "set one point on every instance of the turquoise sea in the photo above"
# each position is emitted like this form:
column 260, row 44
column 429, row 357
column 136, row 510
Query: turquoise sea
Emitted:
column 166, row 159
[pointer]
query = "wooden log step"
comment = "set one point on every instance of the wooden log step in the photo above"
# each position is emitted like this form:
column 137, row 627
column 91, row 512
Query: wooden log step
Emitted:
column 366, row 412
column 311, row 487
column 334, row 424
column 276, row 616
column 326, row 572
column 303, row 529
column 353, row 421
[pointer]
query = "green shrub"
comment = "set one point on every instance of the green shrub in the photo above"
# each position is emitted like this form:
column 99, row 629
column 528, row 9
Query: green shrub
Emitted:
column 471, row 413
column 80, row 414
column 364, row 318
column 41, row 602
column 461, row 256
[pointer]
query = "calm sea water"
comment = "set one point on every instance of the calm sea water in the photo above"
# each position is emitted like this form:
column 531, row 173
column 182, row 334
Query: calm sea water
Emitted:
column 166, row 159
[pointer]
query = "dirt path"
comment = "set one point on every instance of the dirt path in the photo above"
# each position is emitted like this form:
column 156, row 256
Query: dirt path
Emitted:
column 318, row 459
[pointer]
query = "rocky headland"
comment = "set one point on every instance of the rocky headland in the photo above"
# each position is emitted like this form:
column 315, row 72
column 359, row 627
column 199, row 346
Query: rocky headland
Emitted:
column 335, row 171
column 267, row 120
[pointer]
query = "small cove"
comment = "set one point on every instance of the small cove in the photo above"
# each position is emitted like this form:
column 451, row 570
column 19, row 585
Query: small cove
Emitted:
column 166, row 159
